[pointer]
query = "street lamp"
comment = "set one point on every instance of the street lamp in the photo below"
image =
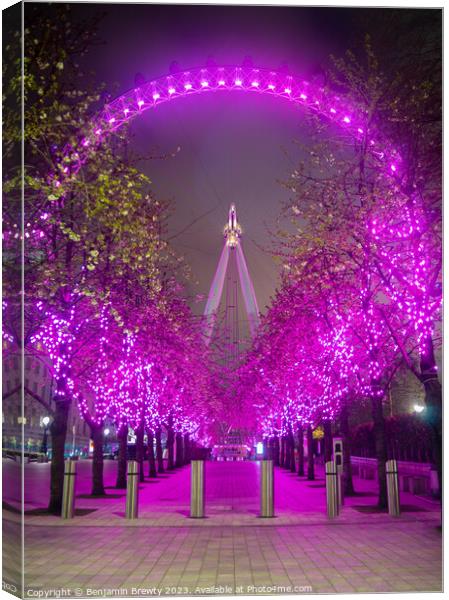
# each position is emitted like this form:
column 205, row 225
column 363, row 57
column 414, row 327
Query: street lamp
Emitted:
column 106, row 432
column 45, row 423
column 418, row 408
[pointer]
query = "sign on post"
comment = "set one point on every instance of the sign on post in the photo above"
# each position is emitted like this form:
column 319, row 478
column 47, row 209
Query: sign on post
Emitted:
column 338, row 459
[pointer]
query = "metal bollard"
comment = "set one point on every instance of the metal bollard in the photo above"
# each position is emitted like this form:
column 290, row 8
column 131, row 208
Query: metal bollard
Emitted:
column 68, row 490
column 332, row 490
column 267, row 489
column 394, row 508
column 197, row 489
column 132, row 490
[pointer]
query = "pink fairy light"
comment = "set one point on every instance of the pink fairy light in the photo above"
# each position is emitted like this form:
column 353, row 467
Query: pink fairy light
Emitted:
column 266, row 80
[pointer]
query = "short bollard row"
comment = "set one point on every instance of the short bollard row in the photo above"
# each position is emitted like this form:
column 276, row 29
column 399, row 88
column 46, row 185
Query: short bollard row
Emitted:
column 68, row 490
column 334, row 496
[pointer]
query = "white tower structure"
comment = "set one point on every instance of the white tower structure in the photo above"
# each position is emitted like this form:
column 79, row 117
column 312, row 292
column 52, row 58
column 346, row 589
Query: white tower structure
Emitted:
column 232, row 251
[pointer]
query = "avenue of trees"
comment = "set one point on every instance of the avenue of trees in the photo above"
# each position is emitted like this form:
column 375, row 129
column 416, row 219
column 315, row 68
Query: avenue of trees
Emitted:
column 361, row 255
column 103, row 296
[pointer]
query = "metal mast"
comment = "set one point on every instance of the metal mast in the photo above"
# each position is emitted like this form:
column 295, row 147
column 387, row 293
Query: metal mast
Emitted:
column 232, row 268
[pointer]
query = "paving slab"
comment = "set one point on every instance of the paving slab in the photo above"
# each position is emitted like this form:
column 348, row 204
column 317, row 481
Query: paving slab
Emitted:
column 299, row 551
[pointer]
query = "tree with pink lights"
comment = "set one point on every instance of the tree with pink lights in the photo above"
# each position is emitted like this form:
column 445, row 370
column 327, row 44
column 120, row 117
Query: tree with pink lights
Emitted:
column 96, row 232
column 371, row 241
column 153, row 374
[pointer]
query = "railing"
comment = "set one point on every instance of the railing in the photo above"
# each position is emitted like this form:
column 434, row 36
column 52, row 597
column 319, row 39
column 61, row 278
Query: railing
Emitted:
column 417, row 478
column 30, row 456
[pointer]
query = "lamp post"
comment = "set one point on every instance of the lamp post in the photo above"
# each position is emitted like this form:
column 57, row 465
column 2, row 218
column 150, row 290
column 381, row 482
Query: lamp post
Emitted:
column 45, row 423
column 106, row 432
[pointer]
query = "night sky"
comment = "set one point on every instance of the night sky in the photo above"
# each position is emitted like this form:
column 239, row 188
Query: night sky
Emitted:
column 233, row 147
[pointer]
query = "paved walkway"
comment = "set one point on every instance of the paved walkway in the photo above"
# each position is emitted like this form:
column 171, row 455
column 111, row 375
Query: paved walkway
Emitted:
column 232, row 551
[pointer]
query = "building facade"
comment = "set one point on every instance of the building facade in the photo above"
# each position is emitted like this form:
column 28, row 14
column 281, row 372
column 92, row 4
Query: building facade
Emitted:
column 38, row 398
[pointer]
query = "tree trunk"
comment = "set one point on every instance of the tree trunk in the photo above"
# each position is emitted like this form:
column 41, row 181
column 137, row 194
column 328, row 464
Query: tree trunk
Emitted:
column 282, row 454
column 291, row 438
column 348, row 485
column 310, row 463
column 152, row 472
column 159, row 453
column 273, row 450
column 186, row 449
column 327, row 426
column 96, row 432
column 276, row 450
column 58, row 431
column 381, row 449
column 300, row 451
column 433, row 399
column 268, row 449
column 179, row 450
column 170, row 443
column 287, row 452
column 122, row 457
column 140, row 451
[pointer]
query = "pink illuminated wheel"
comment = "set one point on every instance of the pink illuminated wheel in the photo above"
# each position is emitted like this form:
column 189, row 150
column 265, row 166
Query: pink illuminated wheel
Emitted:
column 201, row 80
